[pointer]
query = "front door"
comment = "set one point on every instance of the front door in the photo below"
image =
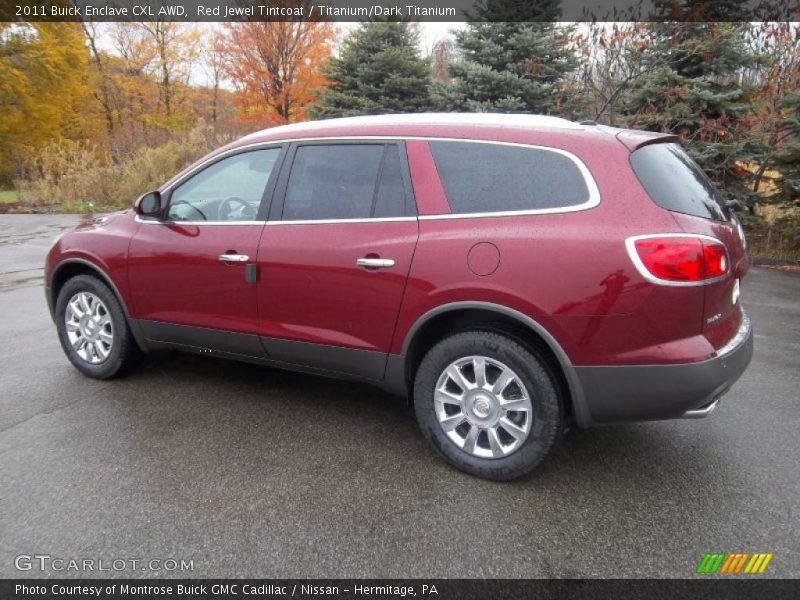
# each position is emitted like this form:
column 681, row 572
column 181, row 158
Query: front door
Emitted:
column 192, row 274
column 335, row 256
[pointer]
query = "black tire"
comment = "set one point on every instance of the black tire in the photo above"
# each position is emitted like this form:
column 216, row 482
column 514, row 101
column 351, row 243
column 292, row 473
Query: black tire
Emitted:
column 545, row 429
column 124, row 353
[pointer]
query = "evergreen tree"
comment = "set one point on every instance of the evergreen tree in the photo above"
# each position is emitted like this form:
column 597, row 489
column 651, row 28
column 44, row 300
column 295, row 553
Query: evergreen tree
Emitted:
column 379, row 70
column 788, row 158
column 694, row 89
column 514, row 58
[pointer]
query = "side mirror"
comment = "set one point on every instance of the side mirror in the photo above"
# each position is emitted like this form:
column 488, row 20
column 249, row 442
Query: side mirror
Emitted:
column 148, row 205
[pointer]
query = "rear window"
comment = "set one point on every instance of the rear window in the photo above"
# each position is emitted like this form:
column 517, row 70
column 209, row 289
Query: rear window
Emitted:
column 485, row 177
column 675, row 182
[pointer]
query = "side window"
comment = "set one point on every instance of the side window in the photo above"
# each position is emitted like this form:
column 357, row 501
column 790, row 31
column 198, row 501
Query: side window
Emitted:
column 485, row 177
column 390, row 198
column 229, row 190
column 675, row 182
column 345, row 181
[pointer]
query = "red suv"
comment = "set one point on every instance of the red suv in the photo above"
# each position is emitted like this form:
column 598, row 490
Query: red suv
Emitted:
column 511, row 274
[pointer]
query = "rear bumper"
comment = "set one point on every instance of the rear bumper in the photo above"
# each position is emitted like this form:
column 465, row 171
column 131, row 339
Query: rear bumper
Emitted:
column 648, row 392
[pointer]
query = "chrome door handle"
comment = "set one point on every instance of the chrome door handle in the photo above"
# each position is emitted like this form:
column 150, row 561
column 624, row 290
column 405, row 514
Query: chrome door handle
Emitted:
column 233, row 258
column 375, row 263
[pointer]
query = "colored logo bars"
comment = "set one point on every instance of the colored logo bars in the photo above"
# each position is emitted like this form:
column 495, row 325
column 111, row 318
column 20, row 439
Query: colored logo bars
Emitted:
column 734, row 563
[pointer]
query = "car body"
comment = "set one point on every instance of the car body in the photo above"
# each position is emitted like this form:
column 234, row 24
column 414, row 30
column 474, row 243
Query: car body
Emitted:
column 352, row 247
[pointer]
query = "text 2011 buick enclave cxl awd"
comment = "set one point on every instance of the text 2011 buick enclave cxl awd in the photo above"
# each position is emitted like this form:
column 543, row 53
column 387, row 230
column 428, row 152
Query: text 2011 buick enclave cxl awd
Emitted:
column 510, row 274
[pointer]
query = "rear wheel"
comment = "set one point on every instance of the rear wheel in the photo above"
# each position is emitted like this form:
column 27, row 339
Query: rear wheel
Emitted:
column 93, row 329
column 487, row 404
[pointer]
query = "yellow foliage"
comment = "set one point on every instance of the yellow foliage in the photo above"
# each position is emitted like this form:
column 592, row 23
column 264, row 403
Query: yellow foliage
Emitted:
column 44, row 90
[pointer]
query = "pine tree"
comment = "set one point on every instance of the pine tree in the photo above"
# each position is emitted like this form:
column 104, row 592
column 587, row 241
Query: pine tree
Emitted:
column 379, row 70
column 693, row 89
column 514, row 58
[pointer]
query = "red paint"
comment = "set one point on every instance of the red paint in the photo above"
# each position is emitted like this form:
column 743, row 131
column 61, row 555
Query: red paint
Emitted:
column 176, row 276
column 431, row 199
column 310, row 288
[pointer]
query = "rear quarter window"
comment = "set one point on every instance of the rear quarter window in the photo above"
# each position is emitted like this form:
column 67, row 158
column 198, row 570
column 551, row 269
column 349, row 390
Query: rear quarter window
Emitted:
column 486, row 177
column 675, row 182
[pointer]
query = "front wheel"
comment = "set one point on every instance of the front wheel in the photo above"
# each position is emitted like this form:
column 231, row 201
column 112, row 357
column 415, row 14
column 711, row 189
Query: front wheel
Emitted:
column 93, row 329
column 487, row 404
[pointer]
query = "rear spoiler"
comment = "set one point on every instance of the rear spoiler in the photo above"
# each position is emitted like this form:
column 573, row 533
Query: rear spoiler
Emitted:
column 633, row 139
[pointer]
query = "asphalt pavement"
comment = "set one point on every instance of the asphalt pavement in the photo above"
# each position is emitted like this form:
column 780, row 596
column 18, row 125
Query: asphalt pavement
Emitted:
column 251, row 471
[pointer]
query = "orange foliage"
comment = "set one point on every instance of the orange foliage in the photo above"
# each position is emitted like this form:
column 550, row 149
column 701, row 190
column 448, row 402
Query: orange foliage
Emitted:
column 276, row 67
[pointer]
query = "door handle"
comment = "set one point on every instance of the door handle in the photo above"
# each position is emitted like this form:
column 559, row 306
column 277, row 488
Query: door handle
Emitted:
column 233, row 258
column 375, row 263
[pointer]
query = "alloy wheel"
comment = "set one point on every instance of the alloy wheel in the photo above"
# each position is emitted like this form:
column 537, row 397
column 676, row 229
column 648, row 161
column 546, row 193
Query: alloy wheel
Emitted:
column 89, row 327
column 483, row 407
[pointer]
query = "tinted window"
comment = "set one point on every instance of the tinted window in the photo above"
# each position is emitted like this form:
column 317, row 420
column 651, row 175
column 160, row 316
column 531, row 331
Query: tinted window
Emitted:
column 675, row 182
column 228, row 190
column 480, row 177
column 391, row 195
column 345, row 181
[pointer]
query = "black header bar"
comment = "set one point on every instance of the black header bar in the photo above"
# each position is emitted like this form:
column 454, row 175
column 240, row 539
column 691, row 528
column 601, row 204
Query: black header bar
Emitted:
column 411, row 10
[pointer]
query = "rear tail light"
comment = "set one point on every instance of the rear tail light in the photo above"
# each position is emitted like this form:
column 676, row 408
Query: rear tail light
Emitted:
column 678, row 259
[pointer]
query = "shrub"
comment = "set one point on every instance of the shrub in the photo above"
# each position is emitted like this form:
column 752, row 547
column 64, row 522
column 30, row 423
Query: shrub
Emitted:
column 68, row 176
column 63, row 175
column 778, row 239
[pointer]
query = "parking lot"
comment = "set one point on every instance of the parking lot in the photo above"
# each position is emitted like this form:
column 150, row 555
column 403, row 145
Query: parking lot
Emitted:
column 250, row 471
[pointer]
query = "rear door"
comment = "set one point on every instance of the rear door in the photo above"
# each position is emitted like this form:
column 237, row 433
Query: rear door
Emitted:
column 335, row 256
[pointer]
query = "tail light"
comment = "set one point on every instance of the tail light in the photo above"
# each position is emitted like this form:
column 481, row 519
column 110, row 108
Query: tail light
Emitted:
column 678, row 259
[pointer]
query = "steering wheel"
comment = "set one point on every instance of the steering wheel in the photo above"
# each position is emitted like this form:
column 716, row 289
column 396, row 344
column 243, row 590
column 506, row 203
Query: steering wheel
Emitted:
column 235, row 209
column 194, row 208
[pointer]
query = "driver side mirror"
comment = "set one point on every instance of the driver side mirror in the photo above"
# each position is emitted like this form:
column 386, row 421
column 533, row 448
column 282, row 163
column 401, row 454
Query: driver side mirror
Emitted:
column 148, row 205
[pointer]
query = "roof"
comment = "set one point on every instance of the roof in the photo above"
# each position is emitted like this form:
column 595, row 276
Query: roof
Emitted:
column 502, row 127
column 409, row 123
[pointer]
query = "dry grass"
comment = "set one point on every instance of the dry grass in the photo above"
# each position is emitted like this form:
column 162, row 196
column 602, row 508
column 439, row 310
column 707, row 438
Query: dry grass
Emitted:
column 77, row 177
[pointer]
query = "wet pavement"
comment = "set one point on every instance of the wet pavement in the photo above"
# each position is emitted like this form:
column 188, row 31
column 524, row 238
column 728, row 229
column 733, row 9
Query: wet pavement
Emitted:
column 250, row 471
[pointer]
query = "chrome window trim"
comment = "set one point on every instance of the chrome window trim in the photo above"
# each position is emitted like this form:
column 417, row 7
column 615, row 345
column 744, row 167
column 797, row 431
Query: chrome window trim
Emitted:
column 637, row 262
column 139, row 219
column 341, row 221
column 591, row 185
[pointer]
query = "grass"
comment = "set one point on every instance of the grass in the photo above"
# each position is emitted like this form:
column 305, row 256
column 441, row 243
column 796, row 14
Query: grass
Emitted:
column 8, row 196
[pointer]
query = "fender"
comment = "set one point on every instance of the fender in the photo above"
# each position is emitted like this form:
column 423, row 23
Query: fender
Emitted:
column 582, row 414
column 97, row 270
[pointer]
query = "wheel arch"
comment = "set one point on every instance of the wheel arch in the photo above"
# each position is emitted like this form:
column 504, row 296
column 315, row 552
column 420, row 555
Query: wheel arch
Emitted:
column 72, row 267
column 466, row 315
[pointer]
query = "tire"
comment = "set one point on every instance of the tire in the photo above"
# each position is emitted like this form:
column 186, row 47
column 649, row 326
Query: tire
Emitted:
column 521, row 439
column 108, row 350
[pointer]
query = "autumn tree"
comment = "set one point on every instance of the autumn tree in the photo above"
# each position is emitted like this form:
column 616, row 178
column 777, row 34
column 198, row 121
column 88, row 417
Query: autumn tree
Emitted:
column 379, row 70
column 613, row 57
column 776, row 115
column 212, row 61
column 174, row 49
column 43, row 89
column 443, row 53
column 276, row 67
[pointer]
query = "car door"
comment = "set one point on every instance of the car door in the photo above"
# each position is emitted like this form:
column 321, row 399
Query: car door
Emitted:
column 335, row 256
column 192, row 273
